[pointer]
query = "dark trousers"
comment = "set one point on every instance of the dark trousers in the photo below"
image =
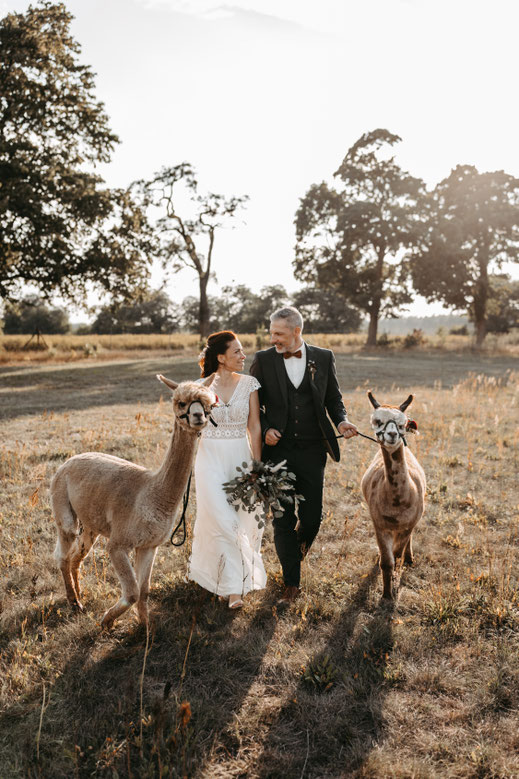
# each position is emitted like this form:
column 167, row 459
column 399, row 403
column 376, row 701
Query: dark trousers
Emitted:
column 308, row 465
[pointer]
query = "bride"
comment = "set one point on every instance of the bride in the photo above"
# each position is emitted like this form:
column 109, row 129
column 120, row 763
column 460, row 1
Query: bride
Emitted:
column 226, row 557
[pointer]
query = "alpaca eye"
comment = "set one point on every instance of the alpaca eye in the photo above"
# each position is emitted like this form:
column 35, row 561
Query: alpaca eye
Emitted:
column 181, row 404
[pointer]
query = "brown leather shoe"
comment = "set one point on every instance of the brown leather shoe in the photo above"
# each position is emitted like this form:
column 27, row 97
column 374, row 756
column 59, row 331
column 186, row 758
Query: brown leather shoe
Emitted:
column 290, row 593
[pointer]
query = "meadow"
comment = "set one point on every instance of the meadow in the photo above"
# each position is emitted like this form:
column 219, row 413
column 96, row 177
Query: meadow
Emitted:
column 338, row 685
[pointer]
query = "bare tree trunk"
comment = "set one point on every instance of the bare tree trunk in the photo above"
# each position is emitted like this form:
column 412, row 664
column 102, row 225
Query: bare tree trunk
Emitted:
column 374, row 311
column 373, row 327
column 203, row 308
column 480, row 303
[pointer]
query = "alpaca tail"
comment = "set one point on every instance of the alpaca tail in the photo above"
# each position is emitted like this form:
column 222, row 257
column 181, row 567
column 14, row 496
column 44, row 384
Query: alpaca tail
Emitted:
column 64, row 515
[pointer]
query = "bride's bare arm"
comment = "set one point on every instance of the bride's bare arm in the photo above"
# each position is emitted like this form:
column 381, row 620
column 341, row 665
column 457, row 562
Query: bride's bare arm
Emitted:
column 254, row 426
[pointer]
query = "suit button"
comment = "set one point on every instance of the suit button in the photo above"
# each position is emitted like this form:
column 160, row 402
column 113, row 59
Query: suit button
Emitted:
column 297, row 421
column 295, row 434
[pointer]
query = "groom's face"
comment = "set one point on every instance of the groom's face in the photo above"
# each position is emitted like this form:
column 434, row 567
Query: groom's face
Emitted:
column 284, row 337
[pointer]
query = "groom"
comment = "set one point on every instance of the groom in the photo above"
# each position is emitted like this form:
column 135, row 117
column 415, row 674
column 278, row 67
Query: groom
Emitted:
column 298, row 386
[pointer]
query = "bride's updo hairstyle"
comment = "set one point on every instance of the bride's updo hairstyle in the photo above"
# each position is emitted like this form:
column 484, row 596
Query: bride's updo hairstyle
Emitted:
column 217, row 343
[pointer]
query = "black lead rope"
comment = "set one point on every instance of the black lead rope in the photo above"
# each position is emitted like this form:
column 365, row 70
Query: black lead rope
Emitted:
column 185, row 500
column 182, row 520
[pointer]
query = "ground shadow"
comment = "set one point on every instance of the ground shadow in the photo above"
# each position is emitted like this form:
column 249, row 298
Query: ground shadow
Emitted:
column 202, row 659
column 27, row 390
column 306, row 738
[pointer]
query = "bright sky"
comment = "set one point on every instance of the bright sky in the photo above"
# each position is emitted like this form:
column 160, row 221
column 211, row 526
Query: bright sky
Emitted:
column 264, row 97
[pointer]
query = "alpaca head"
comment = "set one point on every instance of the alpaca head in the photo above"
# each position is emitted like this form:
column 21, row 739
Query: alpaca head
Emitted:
column 192, row 402
column 390, row 423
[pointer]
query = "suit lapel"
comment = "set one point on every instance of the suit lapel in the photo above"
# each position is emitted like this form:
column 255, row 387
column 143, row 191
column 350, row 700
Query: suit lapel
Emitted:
column 281, row 374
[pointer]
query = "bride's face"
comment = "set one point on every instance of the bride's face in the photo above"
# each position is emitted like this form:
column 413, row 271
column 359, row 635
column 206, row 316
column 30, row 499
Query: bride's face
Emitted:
column 234, row 357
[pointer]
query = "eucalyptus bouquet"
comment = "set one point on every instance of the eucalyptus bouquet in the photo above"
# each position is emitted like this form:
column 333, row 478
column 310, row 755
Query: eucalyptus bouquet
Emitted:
column 262, row 489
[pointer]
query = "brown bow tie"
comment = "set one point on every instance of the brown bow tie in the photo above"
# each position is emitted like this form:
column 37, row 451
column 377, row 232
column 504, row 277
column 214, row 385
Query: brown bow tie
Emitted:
column 288, row 355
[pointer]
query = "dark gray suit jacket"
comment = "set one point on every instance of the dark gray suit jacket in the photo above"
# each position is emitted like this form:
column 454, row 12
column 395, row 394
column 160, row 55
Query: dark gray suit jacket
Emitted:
column 269, row 369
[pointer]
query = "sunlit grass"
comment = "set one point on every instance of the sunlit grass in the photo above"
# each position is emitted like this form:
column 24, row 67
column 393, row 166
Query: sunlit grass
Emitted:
column 338, row 685
column 70, row 348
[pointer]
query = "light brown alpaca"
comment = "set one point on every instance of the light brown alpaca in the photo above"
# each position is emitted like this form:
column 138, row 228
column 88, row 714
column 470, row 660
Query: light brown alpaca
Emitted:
column 394, row 488
column 96, row 494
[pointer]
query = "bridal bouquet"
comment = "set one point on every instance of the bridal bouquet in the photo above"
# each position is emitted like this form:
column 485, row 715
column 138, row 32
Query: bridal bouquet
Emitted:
column 262, row 488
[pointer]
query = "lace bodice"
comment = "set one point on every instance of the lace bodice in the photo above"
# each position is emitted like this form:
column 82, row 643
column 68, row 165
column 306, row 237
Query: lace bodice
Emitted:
column 232, row 417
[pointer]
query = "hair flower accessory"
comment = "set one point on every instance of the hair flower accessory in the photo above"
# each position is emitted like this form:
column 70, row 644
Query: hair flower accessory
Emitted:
column 411, row 426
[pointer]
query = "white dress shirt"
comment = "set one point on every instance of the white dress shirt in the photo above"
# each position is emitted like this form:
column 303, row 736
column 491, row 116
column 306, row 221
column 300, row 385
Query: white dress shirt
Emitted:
column 296, row 366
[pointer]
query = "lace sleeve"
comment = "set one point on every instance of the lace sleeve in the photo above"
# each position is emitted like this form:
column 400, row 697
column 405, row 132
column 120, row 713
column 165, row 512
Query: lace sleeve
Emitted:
column 253, row 384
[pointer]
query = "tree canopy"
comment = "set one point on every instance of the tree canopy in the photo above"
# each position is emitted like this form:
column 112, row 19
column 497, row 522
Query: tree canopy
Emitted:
column 188, row 229
column 32, row 314
column 473, row 228
column 60, row 227
column 154, row 312
column 351, row 238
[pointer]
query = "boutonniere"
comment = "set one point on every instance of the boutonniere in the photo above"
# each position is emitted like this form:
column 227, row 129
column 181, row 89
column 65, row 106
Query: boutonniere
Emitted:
column 312, row 367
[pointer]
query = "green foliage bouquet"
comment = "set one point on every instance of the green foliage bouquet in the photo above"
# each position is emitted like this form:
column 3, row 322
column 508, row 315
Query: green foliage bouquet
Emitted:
column 262, row 488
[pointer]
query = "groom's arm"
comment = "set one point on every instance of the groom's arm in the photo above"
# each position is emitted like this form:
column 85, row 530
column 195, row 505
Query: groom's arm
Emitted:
column 334, row 404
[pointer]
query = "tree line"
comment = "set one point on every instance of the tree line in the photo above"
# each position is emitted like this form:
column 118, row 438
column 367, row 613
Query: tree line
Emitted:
column 237, row 308
column 366, row 243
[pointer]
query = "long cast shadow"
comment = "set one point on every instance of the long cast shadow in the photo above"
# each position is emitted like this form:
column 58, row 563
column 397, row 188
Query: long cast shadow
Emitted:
column 331, row 732
column 201, row 662
column 28, row 390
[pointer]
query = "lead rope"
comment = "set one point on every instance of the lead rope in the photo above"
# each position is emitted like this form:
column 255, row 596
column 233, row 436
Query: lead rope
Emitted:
column 185, row 500
column 182, row 520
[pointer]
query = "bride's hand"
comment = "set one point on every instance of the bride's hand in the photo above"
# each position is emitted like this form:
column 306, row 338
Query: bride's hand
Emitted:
column 272, row 436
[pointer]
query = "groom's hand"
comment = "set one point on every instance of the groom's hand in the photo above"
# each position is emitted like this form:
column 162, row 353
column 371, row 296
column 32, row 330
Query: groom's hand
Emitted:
column 272, row 436
column 347, row 430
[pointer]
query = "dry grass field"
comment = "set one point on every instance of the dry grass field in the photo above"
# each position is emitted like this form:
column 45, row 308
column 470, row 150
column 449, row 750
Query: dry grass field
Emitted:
column 336, row 686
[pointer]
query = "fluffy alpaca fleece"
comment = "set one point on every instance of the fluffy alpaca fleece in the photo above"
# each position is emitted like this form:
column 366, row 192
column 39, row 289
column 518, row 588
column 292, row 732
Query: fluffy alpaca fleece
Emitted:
column 96, row 494
column 394, row 488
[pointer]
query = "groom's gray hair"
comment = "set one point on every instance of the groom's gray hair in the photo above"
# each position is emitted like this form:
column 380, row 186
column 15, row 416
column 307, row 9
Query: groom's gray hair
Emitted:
column 291, row 316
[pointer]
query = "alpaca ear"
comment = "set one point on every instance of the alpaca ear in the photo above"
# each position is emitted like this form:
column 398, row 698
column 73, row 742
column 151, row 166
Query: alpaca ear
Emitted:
column 168, row 382
column 406, row 403
column 372, row 400
column 208, row 381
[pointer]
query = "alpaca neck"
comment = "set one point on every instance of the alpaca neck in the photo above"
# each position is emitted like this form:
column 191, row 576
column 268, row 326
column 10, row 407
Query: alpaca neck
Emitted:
column 172, row 476
column 396, row 474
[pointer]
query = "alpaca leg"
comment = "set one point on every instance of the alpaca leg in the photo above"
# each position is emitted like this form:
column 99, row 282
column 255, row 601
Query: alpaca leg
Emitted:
column 68, row 527
column 400, row 545
column 144, row 559
column 65, row 547
column 83, row 545
column 408, row 551
column 129, row 585
column 387, row 563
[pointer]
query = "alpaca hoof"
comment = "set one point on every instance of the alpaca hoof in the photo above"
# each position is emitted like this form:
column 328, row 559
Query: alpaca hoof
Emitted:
column 107, row 622
column 77, row 607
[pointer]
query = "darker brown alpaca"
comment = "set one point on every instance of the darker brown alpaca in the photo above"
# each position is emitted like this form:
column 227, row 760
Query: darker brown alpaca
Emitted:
column 394, row 489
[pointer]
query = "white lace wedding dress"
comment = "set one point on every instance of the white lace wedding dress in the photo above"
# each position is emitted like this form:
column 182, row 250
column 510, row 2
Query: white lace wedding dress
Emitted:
column 225, row 556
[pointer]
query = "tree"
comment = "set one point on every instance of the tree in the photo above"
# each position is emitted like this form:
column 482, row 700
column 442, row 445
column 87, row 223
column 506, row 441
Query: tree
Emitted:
column 60, row 228
column 188, row 239
column 326, row 311
column 503, row 304
column 351, row 239
column 32, row 314
column 473, row 228
column 248, row 311
column 153, row 313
